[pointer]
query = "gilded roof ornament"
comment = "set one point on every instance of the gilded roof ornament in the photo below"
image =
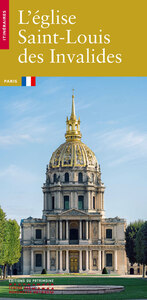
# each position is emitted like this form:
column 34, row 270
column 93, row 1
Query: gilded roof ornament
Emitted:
column 73, row 125
column 73, row 153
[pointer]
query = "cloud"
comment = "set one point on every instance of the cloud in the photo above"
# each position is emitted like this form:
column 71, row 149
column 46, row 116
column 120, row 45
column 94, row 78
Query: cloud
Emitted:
column 83, row 106
column 121, row 145
column 13, row 172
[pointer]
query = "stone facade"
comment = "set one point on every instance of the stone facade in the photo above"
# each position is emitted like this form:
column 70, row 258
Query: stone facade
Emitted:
column 73, row 234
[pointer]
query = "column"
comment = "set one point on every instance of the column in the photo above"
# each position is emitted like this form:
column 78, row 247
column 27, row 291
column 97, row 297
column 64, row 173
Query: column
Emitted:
column 99, row 260
column 48, row 260
column 60, row 260
column 115, row 260
column 43, row 259
column 67, row 261
column 44, row 233
column 103, row 259
column 115, row 232
column 75, row 200
column 80, row 270
column 57, row 202
column 72, row 200
column 60, row 230
column 102, row 200
column 32, row 232
column 91, row 200
column 56, row 260
column 44, row 201
column 32, row 260
column 67, row 237
column 90, row 230
column 80, row 230
column 90, row 260
column 86, row 230
column 56, row 230
column 99, row 228
column 87, row 260
column 48, row 230
column 88, row 194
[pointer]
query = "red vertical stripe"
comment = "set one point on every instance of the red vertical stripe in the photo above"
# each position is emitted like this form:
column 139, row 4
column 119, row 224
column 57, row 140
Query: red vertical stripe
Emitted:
column 4, row 24
column 33, row 81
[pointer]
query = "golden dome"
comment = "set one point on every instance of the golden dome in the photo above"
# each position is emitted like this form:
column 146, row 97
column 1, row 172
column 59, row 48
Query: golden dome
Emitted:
column 73, row 153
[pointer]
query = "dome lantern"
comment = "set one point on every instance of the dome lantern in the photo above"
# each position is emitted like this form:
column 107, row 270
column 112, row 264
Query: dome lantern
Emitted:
column 73, row 125
column 73, row 153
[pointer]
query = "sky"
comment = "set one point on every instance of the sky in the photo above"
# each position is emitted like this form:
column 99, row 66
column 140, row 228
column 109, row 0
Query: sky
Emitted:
column 113, row 113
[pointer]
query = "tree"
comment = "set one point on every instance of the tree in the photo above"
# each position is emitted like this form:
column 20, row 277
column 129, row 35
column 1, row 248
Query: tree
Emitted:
column 3, row 237
column 9, row 242
column 141, row 246
column 14, row 248
column 2, row 226
column 131, row 233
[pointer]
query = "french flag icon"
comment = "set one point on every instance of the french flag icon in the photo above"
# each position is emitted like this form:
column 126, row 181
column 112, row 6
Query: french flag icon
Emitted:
column 28, row 81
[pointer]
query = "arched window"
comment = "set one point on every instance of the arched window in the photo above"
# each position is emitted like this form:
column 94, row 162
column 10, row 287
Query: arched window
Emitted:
column 66, row 177
column 80, row 177
column 55, row 177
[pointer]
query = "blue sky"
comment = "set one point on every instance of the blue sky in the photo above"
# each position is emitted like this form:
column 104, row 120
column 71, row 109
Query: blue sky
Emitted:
column 113, row 112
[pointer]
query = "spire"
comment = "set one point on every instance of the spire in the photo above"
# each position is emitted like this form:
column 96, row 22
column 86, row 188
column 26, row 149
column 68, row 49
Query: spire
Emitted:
column 73, row 116
column 73, row 125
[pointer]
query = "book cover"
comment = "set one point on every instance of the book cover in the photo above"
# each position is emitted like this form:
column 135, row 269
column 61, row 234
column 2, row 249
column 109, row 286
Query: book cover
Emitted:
column 73, row 148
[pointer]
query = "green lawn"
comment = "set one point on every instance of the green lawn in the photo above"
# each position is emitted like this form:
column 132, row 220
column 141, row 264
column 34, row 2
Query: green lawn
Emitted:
column 135, row 288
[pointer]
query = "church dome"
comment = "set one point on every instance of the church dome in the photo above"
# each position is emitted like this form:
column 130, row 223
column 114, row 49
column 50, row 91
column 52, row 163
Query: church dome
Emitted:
column 73, row 153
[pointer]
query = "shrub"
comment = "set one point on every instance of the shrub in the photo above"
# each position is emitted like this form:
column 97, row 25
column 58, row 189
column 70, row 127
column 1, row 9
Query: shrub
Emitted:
column 104, row 271
column 44, row 271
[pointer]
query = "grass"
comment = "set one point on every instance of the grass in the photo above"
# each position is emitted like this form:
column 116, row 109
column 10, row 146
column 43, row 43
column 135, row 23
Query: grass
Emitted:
column 135, row 288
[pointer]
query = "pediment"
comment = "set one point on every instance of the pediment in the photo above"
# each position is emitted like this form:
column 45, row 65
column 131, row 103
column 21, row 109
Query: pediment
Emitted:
column 74, row 212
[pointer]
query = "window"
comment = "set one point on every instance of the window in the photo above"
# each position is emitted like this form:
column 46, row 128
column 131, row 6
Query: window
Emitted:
column 81, row 202
column 66, row 202
column 53, row 202
column 108, row 233
column 66, row 177
column 80, row 177
column 38, row 233
column 93, row 202
column 38, row 260
column 55, row 177
column 108, row 260
column 94, row 262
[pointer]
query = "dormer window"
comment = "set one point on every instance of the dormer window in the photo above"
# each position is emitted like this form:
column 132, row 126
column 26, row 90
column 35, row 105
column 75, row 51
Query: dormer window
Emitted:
column 66, row 177
column 80, row 177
